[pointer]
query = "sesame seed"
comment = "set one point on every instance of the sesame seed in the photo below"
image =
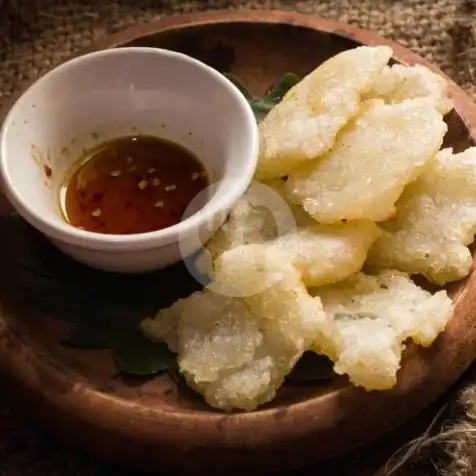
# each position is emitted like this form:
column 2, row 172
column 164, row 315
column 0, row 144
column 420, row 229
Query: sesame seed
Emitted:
column 129, row 160
column 151, row 171
column 115, row 173
column 169, row 188
column 155, row 182
column 143, row 184
column 96, row 212
column 132, row 168
column 159, row 204
column 195, row 176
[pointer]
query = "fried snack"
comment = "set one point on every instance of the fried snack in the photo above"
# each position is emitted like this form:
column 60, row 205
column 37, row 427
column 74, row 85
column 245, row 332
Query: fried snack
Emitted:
column 273, row 289
column 398, row 82
column 368, row 351
column 215, row 334
column 260, row 215
column 324, row 254
column 163, row 328
column 250, row 386
column 223, row 352
column 304, row 125
column 435, row 221
column 379, row 152
column 246, row 223
column 301, row 217
column 372, row 317
column 237, row 351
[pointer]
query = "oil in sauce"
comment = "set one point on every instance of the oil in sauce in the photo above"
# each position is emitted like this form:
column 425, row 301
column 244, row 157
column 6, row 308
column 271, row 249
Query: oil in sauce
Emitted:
column 131, row 185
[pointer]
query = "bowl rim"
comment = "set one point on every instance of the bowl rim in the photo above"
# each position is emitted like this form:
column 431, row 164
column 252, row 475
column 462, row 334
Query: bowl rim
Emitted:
column 229, row 189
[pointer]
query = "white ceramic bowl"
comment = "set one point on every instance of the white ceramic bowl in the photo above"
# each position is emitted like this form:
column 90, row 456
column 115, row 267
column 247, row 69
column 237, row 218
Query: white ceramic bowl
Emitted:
column 112, row 93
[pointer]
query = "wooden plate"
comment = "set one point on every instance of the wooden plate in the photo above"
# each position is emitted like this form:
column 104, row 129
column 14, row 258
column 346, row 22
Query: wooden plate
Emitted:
column 78, row 393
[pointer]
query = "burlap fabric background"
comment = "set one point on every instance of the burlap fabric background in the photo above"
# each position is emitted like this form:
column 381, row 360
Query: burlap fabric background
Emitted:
column 38, row 34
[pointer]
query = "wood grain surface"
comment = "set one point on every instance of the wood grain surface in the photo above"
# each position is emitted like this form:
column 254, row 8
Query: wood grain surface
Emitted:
column 79, row 395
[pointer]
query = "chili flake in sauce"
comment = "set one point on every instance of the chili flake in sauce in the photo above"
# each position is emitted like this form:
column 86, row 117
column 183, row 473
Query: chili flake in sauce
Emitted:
column 132, row 185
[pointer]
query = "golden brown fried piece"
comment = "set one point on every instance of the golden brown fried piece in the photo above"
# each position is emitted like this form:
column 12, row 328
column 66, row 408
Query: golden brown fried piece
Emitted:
column 435, row 222
column 398, row 82
column 237, row 351
column 304, row 125
column 372, row 316
column 379, row 152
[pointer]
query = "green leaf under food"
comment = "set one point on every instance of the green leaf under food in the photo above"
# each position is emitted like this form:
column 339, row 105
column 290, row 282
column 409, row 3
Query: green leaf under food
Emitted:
column 262, row 106
column 84, row 308
column 95, row 337
column 137, row 355
column 312, row 367
column 276, row 93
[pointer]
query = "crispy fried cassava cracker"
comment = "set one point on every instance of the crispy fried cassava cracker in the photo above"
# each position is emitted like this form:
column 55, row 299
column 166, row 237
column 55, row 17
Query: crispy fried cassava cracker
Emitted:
column 273, row 288
column 435, row 222
column 237, row 351
column 304, row 125
column 399, row 82
column 322, row 254
column 372, row 316
column 223, row 351
column 260, row 215
column 379, row 152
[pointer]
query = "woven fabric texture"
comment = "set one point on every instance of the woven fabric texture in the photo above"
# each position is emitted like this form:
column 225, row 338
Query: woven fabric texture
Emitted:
column 36, row 35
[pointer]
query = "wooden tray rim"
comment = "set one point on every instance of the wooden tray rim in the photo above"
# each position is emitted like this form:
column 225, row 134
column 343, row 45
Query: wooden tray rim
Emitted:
column 133, row 419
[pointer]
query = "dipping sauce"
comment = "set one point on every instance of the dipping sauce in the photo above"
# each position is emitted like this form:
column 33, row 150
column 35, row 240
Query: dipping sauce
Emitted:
column 132, row 185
